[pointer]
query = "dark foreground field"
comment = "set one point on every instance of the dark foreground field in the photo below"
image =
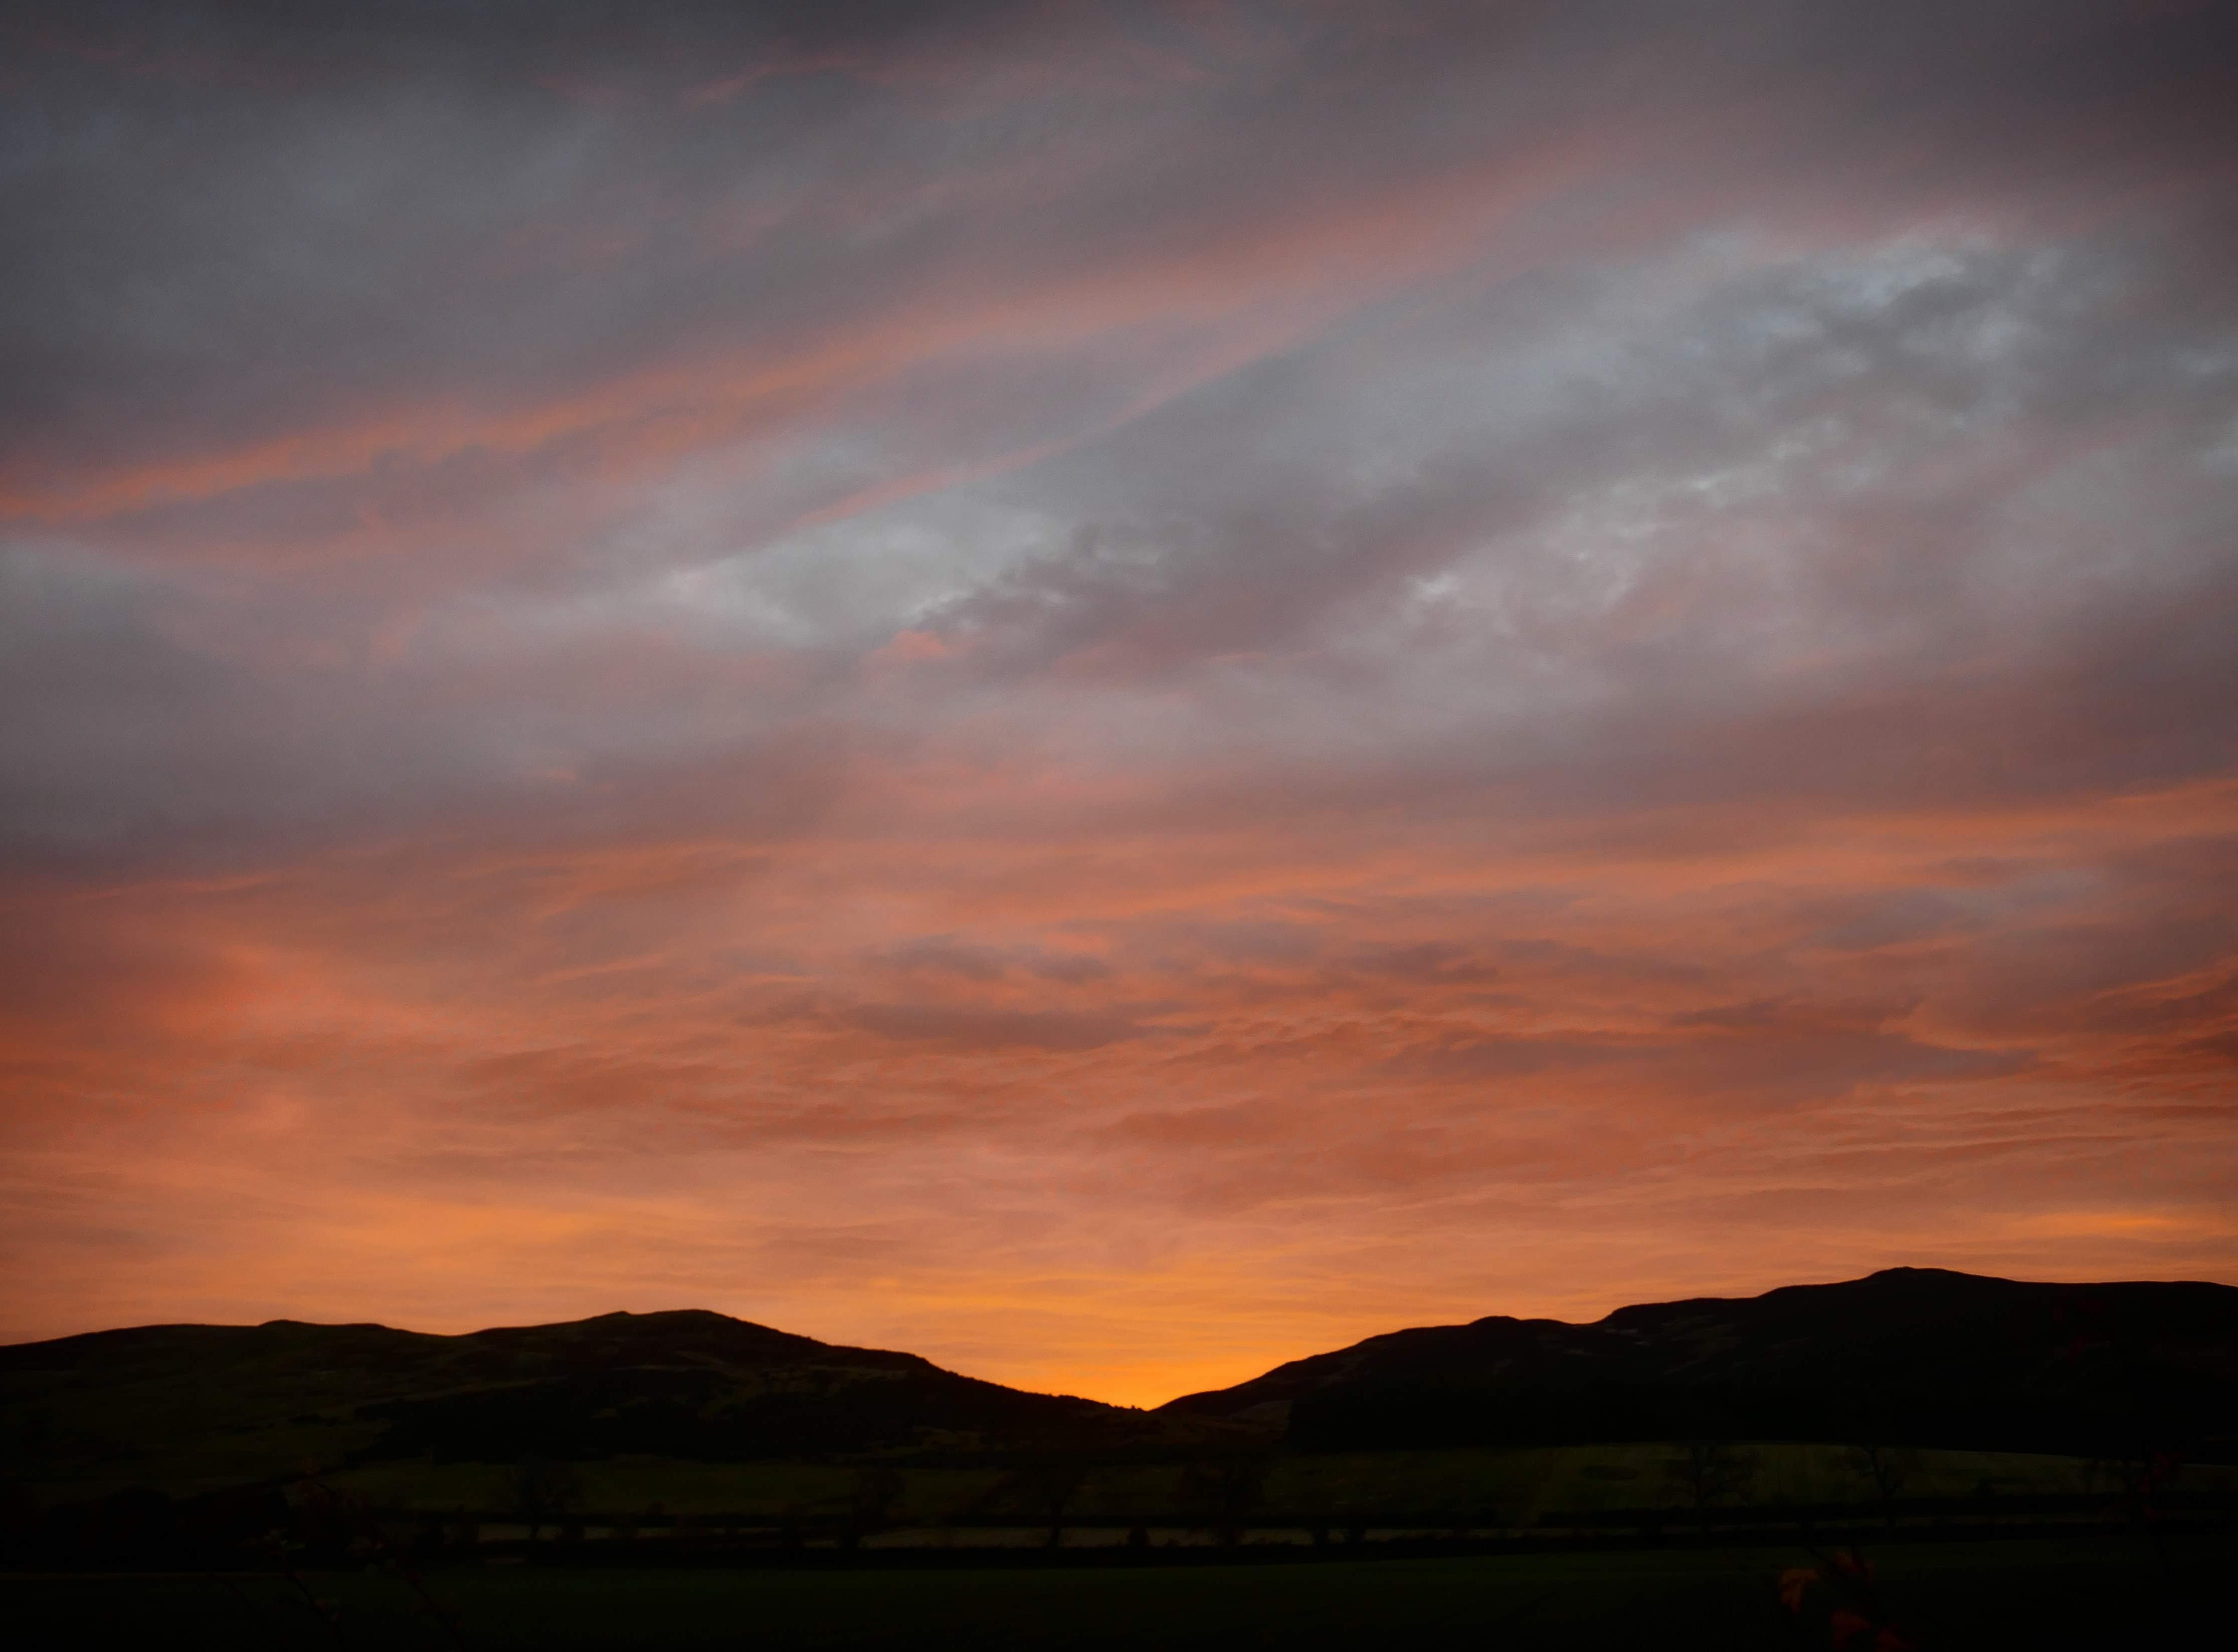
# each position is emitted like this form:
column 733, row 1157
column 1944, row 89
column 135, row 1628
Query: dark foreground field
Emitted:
column 2039, row 1593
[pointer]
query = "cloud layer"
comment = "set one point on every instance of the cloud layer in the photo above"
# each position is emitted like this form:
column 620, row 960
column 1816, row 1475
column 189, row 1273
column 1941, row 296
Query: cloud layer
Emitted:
column 1112, row 692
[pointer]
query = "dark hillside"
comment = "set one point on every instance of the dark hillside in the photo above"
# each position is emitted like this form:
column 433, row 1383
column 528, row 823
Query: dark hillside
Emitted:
column 1919, row 1356
column 1905, row 1357
column 215, row 1403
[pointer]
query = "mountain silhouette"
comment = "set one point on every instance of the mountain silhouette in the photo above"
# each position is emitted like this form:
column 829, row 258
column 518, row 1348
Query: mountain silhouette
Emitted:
column 690, row 1384
column 1916, row 1356
column 1913, row 1357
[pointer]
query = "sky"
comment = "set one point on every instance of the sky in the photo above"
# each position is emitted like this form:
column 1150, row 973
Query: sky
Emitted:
column 1111, row 691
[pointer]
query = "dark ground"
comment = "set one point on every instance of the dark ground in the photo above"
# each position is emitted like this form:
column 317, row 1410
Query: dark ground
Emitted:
column 2041, row 1593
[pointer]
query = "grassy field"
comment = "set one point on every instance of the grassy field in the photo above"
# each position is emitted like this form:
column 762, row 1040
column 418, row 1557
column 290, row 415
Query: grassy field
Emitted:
column 1518, row 1487
column 2102, row 1592
column 1610, row 1489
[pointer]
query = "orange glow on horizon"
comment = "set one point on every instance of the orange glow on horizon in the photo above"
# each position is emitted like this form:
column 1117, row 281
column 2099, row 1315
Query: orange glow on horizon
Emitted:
column 1112, row 694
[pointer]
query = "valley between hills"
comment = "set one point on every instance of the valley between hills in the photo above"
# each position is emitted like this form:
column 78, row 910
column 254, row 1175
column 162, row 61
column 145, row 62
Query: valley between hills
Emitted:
column 1913, row 1397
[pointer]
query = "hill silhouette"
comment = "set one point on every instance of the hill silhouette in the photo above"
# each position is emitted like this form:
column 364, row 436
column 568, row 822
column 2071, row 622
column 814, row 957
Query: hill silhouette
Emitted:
column 214, row 1401
column 1916, row 1356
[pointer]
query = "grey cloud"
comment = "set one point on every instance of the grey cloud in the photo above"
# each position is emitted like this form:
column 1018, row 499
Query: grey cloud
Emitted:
column 1613, row 604
column 156, row 719
column 1971, row 624
column 1866, row 923
column 1632, row 510
column 407, row 205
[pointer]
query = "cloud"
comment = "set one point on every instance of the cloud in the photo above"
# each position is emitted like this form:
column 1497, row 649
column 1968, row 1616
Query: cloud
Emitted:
column 992, row 1029
column 1027, row 680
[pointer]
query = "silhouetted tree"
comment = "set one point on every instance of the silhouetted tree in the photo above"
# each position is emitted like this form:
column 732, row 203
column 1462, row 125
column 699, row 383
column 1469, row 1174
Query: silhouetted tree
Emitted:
column 1710, row 1472
column 1886, row 1468
column 1043, row 1485
column 544, row 1489
column 1227, row 1488
column 1054, row 1479
column 876, row 1485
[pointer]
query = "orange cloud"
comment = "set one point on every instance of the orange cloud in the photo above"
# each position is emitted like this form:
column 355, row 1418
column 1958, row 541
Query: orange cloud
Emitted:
column 1116, row 696
column 564, row 1065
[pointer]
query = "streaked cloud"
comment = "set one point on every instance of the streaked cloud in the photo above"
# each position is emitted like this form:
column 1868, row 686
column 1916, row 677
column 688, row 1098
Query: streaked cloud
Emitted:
column 1111, row 691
